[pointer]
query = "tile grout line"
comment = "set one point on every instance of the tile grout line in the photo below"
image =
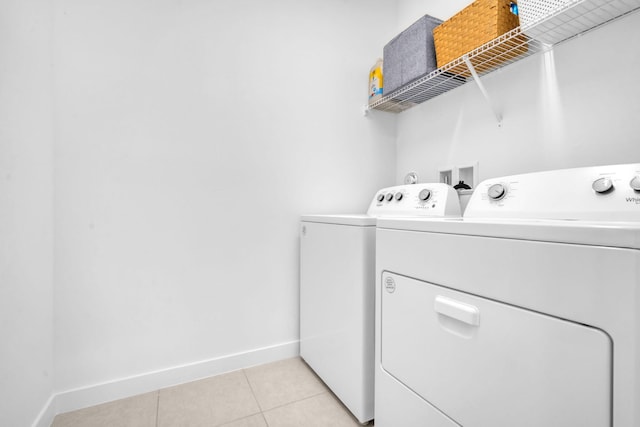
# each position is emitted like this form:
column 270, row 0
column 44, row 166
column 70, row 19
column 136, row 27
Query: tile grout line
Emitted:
column 158, row 408
column 265, row 419
column 255, row 397
column 297, row 401
column 238, row 419
column 253, row 393
column 262, row 411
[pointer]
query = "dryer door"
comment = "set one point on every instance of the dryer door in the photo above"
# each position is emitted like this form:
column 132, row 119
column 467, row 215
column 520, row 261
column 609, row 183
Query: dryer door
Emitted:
column 488, row 364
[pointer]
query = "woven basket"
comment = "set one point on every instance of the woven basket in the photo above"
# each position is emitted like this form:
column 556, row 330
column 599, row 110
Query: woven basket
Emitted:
column 475, row 25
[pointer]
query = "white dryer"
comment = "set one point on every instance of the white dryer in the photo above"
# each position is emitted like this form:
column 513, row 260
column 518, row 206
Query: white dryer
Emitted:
column 526, row 312
column 337, row 267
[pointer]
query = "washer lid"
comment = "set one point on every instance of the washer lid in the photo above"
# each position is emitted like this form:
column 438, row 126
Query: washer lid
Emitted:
column 601, row 233
column 347, row 219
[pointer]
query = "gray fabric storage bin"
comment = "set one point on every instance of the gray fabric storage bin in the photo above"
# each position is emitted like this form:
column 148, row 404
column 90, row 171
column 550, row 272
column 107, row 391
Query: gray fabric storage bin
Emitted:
column 391, row 67
column 410, row 55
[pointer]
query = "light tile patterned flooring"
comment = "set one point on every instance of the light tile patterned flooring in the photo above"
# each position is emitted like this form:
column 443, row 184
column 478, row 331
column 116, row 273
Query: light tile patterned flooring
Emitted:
column 280, row 394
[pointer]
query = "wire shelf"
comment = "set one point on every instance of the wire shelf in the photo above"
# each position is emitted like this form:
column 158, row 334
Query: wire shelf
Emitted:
column 571, row 19
column 498, row 53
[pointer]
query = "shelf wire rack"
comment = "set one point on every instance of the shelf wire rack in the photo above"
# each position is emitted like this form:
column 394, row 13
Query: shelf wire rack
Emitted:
column 497, row 53
column 571, row 19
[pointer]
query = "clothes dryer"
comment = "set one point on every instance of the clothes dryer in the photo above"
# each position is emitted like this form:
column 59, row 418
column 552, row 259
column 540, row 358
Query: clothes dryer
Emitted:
column 522, row 313
column 337, row 282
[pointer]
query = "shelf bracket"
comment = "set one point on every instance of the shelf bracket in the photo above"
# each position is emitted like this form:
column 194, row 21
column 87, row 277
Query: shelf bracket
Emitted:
column 476, row 77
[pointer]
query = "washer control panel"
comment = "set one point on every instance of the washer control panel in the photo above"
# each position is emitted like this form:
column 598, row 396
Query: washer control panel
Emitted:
column 436, row 200
column 600, row 193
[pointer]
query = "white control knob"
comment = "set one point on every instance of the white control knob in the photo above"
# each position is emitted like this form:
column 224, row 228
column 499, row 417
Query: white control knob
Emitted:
column 398, row 196
column 635, row 183
column 424, row 195
column 497, row 192
column 389, row 197
column 380, row 197
column 602, row 185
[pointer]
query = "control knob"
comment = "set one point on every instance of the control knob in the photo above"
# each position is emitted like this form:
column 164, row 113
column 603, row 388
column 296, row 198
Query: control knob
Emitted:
column 635, row 183
column 602, row 185
column 398, row 196
column 497, row 191
column 380, row 197
column 389, row 197
column 424, row 195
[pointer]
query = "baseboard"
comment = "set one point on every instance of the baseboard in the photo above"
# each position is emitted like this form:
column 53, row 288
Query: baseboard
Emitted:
column 79, row 398
column 48, row 413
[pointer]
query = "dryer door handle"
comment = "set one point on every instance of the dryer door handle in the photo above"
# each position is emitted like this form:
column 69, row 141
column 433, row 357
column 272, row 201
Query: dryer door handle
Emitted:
column 461, row 311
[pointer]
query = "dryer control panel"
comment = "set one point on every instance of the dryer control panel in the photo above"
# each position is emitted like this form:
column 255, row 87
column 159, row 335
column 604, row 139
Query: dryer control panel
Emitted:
column 601, row 193
column 432, row 200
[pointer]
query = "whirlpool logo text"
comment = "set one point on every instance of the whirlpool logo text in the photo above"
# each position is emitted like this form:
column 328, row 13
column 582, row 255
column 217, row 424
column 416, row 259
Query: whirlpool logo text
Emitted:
column 635, row 200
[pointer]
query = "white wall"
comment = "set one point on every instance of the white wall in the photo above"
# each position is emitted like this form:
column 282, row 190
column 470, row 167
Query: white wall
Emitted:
column 578, row 106
column 26, row 211
column 190, row 136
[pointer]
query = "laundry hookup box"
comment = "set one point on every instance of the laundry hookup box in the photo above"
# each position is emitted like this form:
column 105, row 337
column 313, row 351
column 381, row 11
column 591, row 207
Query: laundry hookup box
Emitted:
column 410, row 55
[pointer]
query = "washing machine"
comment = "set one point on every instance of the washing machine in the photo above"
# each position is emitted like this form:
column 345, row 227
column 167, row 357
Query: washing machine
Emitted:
column 525, row 312
column 337, row 266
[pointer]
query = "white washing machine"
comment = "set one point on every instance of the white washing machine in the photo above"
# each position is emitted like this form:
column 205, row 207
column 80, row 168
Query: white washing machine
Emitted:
column 337, row 267
column 526, row 312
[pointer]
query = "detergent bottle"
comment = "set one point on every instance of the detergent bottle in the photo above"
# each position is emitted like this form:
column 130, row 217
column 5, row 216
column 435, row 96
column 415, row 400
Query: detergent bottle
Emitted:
column 375, row 82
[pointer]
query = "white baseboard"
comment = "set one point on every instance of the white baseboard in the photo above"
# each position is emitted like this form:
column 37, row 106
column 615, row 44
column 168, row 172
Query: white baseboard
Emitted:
column 46, row 416
column 79, row 398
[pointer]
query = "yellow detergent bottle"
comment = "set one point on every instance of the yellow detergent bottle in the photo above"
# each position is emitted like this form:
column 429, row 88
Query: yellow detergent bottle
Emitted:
column 375, row 82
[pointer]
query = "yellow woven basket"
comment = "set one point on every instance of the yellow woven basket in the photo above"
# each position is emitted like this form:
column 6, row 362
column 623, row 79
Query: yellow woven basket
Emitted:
column 475, row 25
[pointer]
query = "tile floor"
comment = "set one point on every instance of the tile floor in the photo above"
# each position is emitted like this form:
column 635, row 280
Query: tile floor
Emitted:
column 280, row 394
